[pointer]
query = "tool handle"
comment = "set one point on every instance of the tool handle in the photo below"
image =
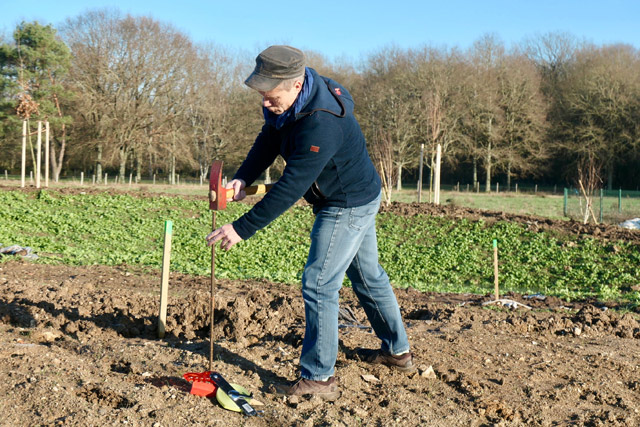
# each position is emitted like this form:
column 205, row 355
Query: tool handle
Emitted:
column 253, row 189
column 233, row 394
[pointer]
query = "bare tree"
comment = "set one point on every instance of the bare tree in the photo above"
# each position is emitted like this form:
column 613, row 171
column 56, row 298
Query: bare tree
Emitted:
column 482, row 95
column 600, row 99
column 435, row 82
column 388, row 106
column 126, row 67
column 588, row 181
column 523, row 112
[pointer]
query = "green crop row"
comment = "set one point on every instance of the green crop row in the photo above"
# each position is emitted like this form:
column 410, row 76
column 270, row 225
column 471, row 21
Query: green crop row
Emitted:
column 424, row 252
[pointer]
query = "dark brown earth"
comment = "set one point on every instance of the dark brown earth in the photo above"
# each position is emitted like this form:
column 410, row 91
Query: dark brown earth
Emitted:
column 78, row 347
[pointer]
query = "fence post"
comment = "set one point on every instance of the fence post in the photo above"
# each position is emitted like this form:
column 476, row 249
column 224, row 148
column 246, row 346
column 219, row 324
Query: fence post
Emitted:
column 420, row 173
column 620, row 200
column 46, row 154
column 436, row 198
column 24, row 154
column 566, row 196
column 39, row 154
column 601, row 197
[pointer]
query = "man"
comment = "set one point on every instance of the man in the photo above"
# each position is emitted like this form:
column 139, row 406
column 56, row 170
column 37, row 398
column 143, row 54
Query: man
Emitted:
column 309, row 121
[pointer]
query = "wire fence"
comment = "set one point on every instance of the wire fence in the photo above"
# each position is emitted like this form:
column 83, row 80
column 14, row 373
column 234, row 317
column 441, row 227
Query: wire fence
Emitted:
column 106, row 179
column 609, row 206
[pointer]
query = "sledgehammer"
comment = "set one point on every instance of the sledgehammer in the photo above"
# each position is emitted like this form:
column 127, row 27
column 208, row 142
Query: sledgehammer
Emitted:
column 218, row 201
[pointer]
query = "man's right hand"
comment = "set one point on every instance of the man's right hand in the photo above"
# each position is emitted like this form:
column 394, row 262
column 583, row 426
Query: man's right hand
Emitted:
column 238, row 189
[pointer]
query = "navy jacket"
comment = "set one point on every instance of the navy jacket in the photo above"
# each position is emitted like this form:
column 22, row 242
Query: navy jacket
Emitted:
column 326, row 157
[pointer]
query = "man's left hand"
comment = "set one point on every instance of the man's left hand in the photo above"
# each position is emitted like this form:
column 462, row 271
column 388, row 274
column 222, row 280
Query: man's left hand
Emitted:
column 227, row 236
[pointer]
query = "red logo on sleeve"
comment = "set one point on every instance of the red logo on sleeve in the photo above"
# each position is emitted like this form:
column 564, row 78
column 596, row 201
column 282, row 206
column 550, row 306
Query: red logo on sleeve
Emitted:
column 338, row 91
column 315, row 148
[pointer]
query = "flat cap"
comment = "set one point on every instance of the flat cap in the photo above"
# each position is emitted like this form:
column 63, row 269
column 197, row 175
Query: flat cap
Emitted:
column 275, row 64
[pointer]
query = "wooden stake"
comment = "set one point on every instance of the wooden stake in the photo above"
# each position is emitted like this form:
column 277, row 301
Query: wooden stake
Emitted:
column 24, row 153
column 495, row 268
column 39, row 154
column 164, row 286
column 420, row 174
column 46, row 154
column 436, row 198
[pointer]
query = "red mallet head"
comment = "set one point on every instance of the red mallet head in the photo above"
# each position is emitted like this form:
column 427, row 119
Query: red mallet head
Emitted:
column 217, row 193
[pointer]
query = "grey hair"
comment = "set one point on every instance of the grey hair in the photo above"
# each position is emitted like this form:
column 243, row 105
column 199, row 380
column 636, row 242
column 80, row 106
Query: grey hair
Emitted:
column 288, row 83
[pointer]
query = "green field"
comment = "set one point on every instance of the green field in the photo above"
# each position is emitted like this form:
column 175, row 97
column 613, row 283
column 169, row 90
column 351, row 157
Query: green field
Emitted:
column 548, row 204
column 424, row 252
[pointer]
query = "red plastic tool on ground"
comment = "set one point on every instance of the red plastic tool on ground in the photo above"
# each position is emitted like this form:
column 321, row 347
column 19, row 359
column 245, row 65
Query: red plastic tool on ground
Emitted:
column 212, row 384
column 202, row 384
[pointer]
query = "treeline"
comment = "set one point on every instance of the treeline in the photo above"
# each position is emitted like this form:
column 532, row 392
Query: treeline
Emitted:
column 133, row 95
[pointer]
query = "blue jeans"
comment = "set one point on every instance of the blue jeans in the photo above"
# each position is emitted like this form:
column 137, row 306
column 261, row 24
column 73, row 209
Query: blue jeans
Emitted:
column 343, row 240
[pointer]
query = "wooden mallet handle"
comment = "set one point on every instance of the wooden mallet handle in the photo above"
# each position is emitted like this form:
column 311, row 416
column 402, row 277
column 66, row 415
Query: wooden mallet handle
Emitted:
column 254, row 189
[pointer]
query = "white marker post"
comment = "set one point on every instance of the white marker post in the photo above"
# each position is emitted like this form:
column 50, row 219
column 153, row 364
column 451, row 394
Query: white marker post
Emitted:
column 437, row 174
column 46, row 154
column 164, row 289
column 39, row 154
column 24, row 153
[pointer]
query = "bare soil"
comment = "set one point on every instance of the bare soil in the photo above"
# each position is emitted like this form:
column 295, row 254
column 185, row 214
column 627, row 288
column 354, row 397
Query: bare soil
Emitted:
column 78, row 346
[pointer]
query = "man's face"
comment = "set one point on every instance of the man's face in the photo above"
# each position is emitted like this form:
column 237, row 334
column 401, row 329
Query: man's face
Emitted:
column 279, row 100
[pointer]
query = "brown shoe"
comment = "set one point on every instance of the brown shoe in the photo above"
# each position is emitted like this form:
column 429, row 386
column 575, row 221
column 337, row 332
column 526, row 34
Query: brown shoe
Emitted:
column 327, row 390
column 402, row 362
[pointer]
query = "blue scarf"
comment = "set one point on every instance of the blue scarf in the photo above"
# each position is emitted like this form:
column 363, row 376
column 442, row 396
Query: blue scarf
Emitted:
column 280, row 120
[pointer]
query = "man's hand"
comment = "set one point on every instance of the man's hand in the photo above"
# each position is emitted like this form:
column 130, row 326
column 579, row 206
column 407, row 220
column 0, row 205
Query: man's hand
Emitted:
column 226, row 234
column 238, row 189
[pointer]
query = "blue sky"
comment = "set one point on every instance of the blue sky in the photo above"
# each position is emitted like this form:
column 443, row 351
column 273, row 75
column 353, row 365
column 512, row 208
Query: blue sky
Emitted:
column 354, row 29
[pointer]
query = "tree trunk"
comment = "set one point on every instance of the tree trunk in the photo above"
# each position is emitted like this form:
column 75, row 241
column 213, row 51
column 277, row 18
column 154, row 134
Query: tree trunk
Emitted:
column 99, row 164
column 509, row 175
column 150, row 158
column 57, row 165
column 475, row 173
column 610, row 177
column 138, row 165
column 488, row 169
column 33, row 155
column 172, row 173
column 124, row 154
column 399, row 183
column 173, row 159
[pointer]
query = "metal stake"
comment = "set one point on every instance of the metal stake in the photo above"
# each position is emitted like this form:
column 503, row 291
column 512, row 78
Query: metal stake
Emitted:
column 213, row 281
